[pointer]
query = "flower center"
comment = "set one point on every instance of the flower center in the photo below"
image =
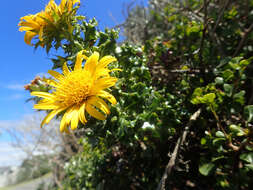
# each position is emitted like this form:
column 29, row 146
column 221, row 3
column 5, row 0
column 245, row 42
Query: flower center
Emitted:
column 74, row 88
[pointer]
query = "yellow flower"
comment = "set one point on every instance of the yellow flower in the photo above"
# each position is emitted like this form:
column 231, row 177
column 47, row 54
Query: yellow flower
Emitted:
column 67, row 5
column 77, row 91
column 33, row 25
column 46, row 21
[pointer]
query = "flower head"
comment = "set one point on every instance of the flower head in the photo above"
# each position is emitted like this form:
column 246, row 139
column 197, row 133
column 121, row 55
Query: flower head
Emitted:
column 77, row 91
column 47, row 21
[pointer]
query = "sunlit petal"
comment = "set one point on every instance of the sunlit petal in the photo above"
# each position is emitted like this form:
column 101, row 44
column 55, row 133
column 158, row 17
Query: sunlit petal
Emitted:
column 91, row 63
column 108, row 96
column 94, row 113
column 81, row 114
column 99, row 103
column 65, row 69
column 55, row 74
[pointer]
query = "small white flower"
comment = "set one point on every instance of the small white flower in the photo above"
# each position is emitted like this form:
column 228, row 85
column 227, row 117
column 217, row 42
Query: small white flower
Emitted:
column 147, row 125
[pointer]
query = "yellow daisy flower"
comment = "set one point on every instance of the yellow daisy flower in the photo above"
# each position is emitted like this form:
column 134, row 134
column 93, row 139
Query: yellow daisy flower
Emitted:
column 67, row 5
column 77, row 91
column 33, row 25
column 46, row 20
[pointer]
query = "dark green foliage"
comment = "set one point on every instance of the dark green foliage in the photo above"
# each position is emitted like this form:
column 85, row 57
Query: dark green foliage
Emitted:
column 191, row 55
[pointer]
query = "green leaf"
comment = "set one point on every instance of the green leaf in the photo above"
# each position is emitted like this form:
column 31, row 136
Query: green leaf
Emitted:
column 234, row 66
column 239, row 97
column 247, row 157
column 244, row 63
column 203, row 141
column 198, row 92
column 219, row 134
column 206, row 169
column 237, row 130
column 249, row 166
column 248, row 113
column 227, row 75
column 35, row 88
column 218, row 141
column 228, row 88
column 208, row 98
column 236, row 60
column 193, row 29
column 219, row 80
column 217, row 158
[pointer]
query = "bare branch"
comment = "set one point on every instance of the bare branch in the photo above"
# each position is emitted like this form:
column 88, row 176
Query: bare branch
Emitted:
column 246, row 33
column 203, row 34
column 179, row 143
column 221, row 15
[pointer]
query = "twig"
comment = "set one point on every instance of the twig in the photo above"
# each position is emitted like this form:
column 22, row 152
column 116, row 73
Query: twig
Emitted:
column 173, row 158
column 200, row 9
column 220, row 15
column 246, row 33
column 203, row 35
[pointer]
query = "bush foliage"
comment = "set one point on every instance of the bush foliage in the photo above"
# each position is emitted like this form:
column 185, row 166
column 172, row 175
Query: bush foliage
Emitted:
column 185, row 105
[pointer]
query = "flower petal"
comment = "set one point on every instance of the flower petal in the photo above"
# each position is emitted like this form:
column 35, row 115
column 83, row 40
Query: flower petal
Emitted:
column 24, row 28
column 55, row 74
column 50, row 82
column 66, row 119
column 50, row 116
column 94, row 113
column 46, row 106
column 99, row 103
column 63, row 124
column 62, row 5
column 103, row 83
column 79, row 60
column 43, row 94
column 41, row 34
column 81, row 114
column 74, row 120
column 28, row 37
column 107, row 96
column 91, row 63
column 106, row 60
column 65, row 69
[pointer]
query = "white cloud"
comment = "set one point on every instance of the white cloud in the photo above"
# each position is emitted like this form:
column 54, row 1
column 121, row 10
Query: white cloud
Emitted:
column 10, row 156
column 16, row 86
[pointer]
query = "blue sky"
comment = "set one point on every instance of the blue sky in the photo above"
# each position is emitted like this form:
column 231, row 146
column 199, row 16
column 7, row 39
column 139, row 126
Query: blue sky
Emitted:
column 20, row 63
